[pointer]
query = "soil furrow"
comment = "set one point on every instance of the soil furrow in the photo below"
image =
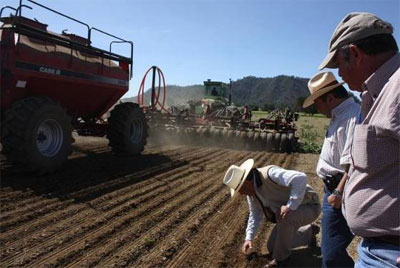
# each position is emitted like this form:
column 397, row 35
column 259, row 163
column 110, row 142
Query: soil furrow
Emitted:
column 64, row 228
column 89, row 193
column 213, row 226
column 151, row 184
column 142, row 245
column 211, row 259
column 34, row 214
column 186, row 232
column 8, row 191
column 166, row 207
column 104, row 254
column 141, row 192
column 106, row 187
column 184, row 237
column 170, row 150
column 125, row 210
column 32, row 204
column 121, row 225
column 189, row 253
column 32, row 231
column 13, row 198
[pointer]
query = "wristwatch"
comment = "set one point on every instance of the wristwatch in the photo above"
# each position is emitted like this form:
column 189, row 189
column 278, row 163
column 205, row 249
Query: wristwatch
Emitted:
column 337, row 193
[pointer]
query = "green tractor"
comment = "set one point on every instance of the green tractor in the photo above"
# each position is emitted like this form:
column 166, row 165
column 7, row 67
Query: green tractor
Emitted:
column 216, row 101
column 215, row 121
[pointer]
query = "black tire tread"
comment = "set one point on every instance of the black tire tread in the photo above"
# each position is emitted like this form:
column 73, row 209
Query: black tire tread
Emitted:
column 15, row 136
column 119, row 125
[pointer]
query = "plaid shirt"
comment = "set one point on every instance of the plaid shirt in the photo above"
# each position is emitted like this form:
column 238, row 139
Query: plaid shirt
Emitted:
column 371, row 195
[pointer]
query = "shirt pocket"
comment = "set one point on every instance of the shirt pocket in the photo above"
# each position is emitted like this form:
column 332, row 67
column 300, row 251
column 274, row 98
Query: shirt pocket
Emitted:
column 329, row 151
column 369, row 149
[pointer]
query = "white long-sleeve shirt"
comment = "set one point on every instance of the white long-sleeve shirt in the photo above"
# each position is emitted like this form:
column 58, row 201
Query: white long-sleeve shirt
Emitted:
column 294, row 179
column 335, row 152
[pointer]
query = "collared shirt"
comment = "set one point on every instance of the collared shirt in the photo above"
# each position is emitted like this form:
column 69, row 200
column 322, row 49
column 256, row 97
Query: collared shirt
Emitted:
column 371, row 194
column 336, row 148
column 294, row 179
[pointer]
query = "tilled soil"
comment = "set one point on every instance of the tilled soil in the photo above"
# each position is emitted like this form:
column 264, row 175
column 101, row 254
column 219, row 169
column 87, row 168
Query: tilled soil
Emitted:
column 165, row 208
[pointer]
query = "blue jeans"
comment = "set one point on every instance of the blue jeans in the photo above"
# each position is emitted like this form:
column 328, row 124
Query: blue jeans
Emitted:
column 373, row 255
column 336, row 236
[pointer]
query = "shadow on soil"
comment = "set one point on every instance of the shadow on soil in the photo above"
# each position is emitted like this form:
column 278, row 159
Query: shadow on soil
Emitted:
column 301, row 257
column 89, row 176
column 305, row 257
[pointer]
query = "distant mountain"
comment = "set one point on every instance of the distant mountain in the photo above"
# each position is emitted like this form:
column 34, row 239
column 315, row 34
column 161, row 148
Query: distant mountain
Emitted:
column 276, row 92
column 279, row 91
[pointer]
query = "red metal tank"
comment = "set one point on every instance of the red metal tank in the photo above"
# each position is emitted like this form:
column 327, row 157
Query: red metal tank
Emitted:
column 64, row 67
column 54, row 83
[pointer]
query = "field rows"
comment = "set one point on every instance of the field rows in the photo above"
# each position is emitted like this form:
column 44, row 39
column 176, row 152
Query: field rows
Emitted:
column 166, row 208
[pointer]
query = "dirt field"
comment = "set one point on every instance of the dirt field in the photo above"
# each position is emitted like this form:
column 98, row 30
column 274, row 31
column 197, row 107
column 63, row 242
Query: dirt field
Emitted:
column 166, row 208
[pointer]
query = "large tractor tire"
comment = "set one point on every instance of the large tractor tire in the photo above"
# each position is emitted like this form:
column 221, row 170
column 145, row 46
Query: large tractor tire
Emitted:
column 37, row 133
column 127, row 129
column 292, row 141
column 285, row 146
column 277, row 142
column 270, row 142
column 263, row 140
column 217, row 137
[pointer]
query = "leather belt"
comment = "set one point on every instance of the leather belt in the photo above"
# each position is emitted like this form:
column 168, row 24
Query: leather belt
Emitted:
column 386, row 239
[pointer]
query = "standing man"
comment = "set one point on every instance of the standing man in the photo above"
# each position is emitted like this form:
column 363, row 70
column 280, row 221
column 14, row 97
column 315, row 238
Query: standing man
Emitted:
column 332, row 100
column 364, row 50
column 283, row 197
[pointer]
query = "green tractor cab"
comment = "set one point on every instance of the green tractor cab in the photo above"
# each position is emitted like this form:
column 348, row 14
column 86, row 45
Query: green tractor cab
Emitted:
column 216, row 90
column 215, row 98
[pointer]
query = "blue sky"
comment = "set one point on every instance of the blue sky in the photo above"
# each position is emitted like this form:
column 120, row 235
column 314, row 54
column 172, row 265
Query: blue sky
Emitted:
column 193, row 40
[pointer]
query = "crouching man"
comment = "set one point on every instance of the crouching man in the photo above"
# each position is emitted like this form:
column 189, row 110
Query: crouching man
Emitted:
column 282, row 197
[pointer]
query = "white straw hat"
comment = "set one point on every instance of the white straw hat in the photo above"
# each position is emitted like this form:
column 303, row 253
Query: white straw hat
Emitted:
column 319, row 85
column 235, row 176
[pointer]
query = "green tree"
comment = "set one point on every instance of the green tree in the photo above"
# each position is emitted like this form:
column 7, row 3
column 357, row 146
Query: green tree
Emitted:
column 269, row 107
column 299, row 106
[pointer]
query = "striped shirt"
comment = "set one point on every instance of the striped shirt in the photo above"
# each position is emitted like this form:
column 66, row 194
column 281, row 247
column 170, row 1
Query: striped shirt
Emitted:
column 371, row 195
column 336, row 148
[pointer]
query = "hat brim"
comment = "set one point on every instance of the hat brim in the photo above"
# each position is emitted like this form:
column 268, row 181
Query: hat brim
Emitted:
column 247, row 165
column 328, row 61
column 310, row 100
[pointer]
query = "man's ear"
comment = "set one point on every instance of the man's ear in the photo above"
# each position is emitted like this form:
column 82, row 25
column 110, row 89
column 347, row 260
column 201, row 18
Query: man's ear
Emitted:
column 356, row 54
column 329, row 98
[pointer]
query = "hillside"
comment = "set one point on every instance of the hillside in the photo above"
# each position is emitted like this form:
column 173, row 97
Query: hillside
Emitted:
column 276, row 92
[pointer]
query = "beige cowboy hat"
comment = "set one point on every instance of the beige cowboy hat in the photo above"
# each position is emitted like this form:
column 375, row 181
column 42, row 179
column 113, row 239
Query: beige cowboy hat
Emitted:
column 235, row 176
column 319, row 85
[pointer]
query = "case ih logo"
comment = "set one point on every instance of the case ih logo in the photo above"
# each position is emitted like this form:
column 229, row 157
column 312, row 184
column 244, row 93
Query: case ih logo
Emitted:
column 70, row 74
column 49, row 70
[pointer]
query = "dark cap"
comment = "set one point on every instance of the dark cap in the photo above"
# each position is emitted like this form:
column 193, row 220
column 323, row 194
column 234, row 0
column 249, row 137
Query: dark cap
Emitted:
column 353, row 27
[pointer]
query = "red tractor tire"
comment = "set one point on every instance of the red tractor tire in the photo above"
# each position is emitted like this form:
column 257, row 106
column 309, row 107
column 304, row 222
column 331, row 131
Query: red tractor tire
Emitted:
column 36, row 132
column 127, row 130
